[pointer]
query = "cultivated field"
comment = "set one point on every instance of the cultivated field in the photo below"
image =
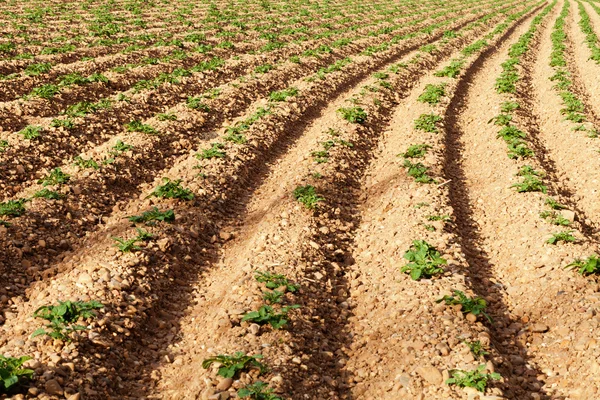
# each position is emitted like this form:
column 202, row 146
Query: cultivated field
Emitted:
column 299, row 200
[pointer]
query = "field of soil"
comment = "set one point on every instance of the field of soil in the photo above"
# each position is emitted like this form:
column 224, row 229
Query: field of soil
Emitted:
column 327, row 200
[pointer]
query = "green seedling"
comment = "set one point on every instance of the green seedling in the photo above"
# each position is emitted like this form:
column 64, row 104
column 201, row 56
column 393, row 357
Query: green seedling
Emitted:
column 31, row 132
column 263, row 69
column 589, row 266
column 37, row 69
column 45, row 91
column 418, row 171
column 444, row 218
column 473, row 305
column 195, row 103
column 273, row 296
column 416, row 151
column 56, row 177
column 355, row 115
column 83, row 163
column 137, row 126
column 501, row 120
column 433, row 93
column 475, row 379
column 476, row 348
column 4, row 145
column 282, row 95
column 172, row 190
column 258, row 391
column 510, row 133
column 166, row 117
column 12, row 373
column 121, row 147
column 452, row 70
column 66, row 123
column 427, row 123
column 565, row 236
column 308, row 196
column 553, row 204
column 555, row 218
column 320, row 157
column 63, row 318
column 216, row 151
column 274, row 281
column 13, row 208
column 267, row 315
column 236, row 138
column 150, row 217
column 47, row 194
column 518, row 149
column 531, row 182
column 424, row 261
column 231, row 366
column 509, row 106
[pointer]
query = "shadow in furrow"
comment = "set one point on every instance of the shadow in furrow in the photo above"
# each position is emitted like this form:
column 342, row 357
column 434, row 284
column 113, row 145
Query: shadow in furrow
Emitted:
column 520, row 376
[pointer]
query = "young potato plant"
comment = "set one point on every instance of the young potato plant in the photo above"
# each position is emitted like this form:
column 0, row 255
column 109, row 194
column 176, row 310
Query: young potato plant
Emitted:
column 427, row 123
column 473, row 305
column 257, row 391
column 424, row 261
column 231, row 366
column 589, row 266
column 267, row 315
column 56, row 177
column 553, row 204
column 282, row 95
column 476, row 379
column 12, row 372
column 31, row 132
column 172, row 190
column 137, row 126
column 418, row 171
column 555, row 218
column 13, row 208
column 274, row 281
column 308, row 196
column 127, row 246
column 452, row 70
column 416, row 151
column 531, row 181
column 355, row 115
column 215, row 151
column 564, row 236
column 150, row 217
column 433, row 93
column 47, row 194
column 83, row 163
column 476, row 348
column 63, row 318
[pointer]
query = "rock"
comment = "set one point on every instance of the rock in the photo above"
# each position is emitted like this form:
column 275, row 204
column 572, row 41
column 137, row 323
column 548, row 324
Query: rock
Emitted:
column 254, row 329
column 224, row 384
column 432, row 375
column 53, row 387
column 539, row 328
column 568, row 214
column 20, row 170
column 471, row 317
column 84, row 278
column 76, row 396
column 164, row 244
column 225, row 236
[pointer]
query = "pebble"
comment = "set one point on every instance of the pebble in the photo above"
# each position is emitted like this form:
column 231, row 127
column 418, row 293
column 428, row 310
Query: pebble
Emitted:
column 224, row 384
column 53, row 387
column 539, row 328
column 432, row 375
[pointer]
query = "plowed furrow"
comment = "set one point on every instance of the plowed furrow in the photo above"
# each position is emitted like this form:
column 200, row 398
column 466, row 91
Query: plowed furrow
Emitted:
column 503, row 237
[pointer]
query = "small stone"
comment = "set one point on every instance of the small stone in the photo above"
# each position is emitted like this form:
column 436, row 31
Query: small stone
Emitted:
column 53, row 387
column 432, row 375
column 225, row 236
column 568, row 214
column 471, row 317
column 254, row 329
column 20, row 170
column 84, row 278
column 76, row 396
column 224, row 384
column 539, row 328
